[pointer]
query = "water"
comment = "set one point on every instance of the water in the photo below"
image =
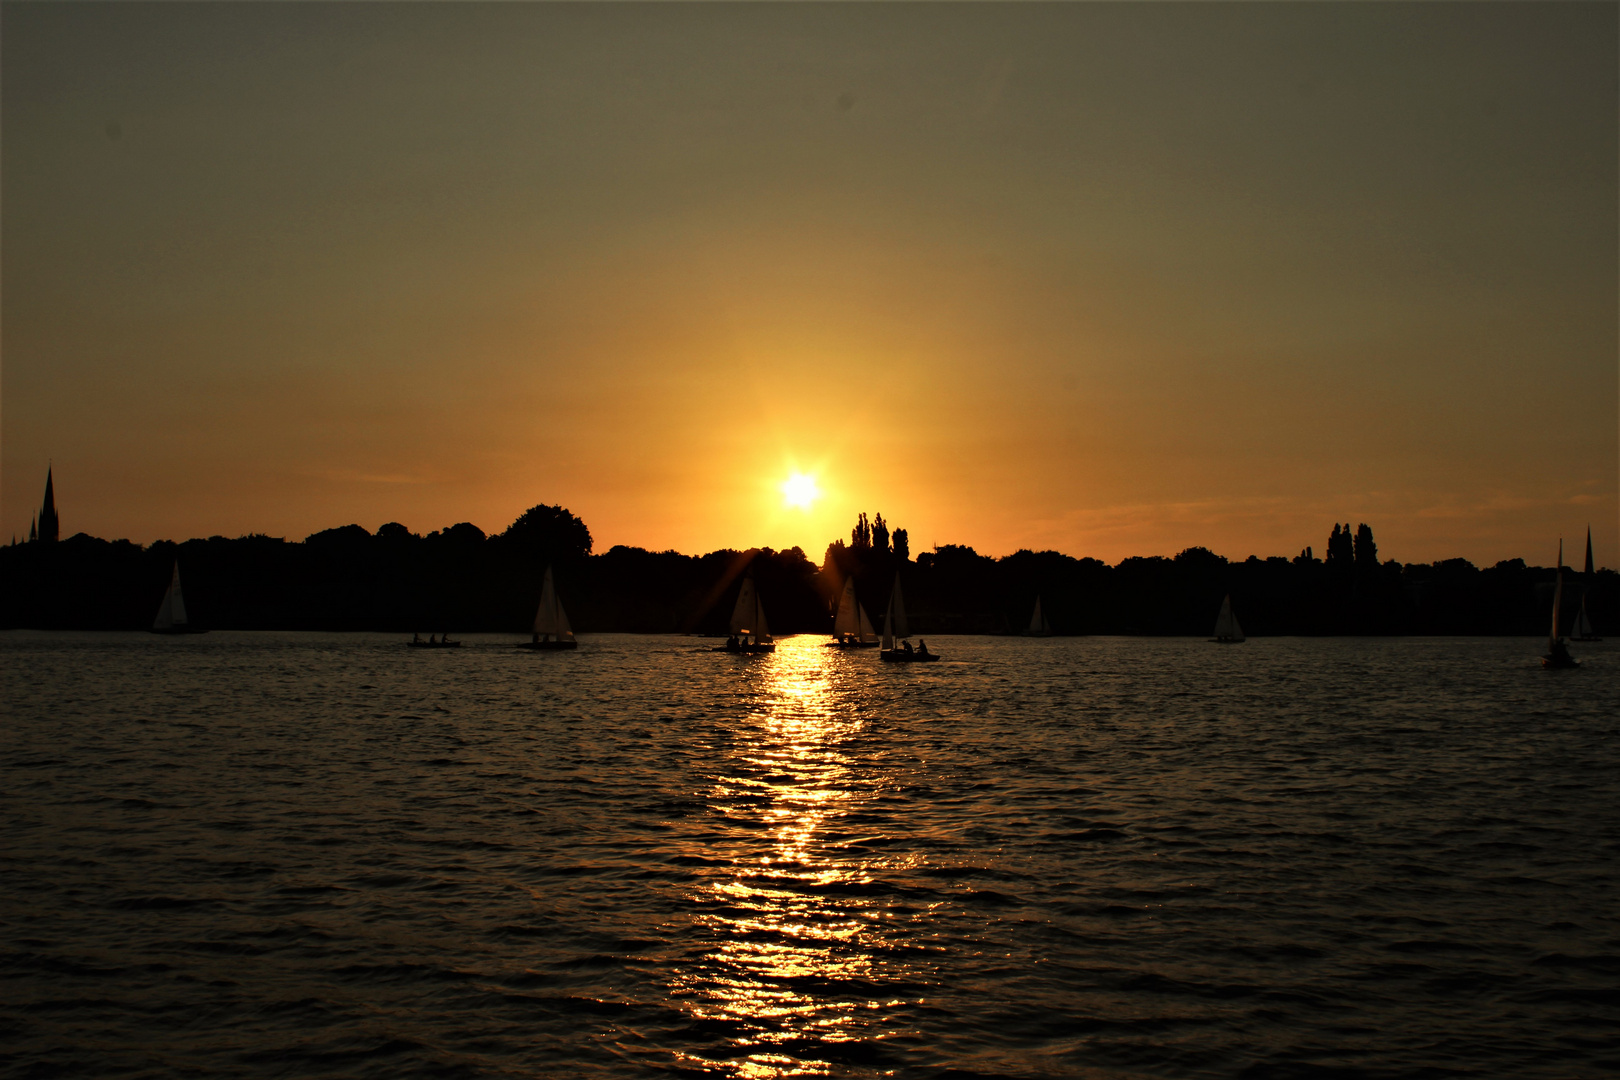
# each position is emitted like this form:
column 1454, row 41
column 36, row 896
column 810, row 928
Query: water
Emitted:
column 327, row 855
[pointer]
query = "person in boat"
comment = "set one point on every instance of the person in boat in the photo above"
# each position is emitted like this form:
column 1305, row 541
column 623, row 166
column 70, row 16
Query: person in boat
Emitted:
column 922, row 647
column 416, row 638
column 906, row 645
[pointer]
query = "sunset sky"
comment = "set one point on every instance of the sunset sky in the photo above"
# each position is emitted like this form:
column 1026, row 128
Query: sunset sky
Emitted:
column 1114, row 279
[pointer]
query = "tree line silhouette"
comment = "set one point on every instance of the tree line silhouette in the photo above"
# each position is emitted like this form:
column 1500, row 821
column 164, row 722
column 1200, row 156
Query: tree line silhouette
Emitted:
column 460, row 579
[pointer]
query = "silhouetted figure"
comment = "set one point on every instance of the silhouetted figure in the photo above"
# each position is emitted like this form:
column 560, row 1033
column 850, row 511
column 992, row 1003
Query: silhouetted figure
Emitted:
column 922, row 647
column 907, row 646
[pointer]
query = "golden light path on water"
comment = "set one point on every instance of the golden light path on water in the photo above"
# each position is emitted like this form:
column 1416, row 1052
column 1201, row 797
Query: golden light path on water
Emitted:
column 793, row 949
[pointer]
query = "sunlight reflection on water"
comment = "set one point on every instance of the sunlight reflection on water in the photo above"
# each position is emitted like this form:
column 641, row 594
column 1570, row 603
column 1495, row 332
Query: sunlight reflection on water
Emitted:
column 784, row 921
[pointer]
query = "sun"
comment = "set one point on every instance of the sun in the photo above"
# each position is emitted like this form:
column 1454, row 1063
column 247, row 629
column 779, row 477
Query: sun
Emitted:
column 800, row 490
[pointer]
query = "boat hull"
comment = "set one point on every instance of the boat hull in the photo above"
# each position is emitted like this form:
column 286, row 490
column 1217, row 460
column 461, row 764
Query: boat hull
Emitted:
column 169, row 630
column 549, row 646
column 433, row 644
column 900, row 656
column 1228, row 640
column 852, row 644
column 746, row 650
column 1559, row 663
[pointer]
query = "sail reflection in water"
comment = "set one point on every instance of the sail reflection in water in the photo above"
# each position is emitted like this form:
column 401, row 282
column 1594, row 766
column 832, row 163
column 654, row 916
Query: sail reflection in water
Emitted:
column 793, row 973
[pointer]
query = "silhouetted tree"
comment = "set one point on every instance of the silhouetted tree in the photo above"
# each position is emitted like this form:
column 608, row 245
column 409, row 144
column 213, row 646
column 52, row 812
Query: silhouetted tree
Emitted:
column 548, row 534
column 1366, row 550
column 1341, row 552
column 880, row 535
column 860, row 537
column 902, row 545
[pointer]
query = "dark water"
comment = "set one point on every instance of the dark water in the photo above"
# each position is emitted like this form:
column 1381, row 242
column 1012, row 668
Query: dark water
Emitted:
column 310, row 855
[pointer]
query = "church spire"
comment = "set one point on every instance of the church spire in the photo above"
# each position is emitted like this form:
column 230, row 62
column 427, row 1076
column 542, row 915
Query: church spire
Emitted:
column 49, row 528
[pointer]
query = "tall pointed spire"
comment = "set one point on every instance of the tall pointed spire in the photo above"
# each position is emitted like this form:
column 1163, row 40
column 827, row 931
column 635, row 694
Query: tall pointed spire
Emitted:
column 1589, row 551
column 49, row 528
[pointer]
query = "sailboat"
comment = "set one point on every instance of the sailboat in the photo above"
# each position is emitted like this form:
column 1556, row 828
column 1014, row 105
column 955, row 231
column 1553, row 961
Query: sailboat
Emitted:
column 1557, row 652
column 1038, row 626
column 750, row 633
column 551, row 629
column 851, row 628
column 171, row 615
column 895, row 627
column 1227, row 630
column 1583, row 625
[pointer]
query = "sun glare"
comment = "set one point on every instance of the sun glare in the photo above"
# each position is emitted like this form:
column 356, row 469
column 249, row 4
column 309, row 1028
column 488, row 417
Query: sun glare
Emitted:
column 800, row 490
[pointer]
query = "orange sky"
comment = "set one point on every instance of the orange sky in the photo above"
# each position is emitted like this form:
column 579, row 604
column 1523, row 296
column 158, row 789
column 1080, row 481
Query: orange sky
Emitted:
column 1111, row 279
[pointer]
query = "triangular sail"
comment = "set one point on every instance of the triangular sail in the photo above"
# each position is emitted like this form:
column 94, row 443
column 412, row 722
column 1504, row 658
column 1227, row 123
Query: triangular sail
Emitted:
column 866, row 631
column 762, row 629
column 888, row 623
column 846, row 621
column 172, row 612
column 549, row 617
column 897, row 609
column 1583, row 625
column 1037, row 621
column 1226, row 624
column 748, row 617
column 1558, row 601
column 1588, row 556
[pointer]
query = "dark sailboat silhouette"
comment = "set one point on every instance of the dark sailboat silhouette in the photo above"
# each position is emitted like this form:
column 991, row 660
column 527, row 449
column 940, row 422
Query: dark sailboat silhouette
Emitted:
column 1038, row 626
column 1227, row 629
column 896, row 628
column 851, row 628
column 171, row 615
column 750, row 633
column 1557, row 652
column 1582, row 630
column 551, row 628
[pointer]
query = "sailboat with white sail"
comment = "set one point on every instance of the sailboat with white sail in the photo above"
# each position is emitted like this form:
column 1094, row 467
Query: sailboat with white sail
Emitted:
column 897, row 632
column 750, row 632
column 1582, row 630
column 171, row 615
column 1227, row 629
column 1038, row 626
column 851, row 627
column 551, row 628
column 1557, row 652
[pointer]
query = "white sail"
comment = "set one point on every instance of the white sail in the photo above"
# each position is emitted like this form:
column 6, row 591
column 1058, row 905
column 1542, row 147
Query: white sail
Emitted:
column 846, row 621
column 748, row 617
column 1037, row 621
column 1583, row 625
column 1226, row 624
column 172, row 612
column 549, row 618
column 866, row 631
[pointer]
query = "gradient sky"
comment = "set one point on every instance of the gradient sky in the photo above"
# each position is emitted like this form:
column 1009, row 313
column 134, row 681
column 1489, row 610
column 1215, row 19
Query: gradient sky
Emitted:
column 1114, row 279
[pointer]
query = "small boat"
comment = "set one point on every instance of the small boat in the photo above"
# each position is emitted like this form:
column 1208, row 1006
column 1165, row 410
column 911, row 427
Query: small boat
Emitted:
column 551, row 629
column 1583, row 625
column 1227, row 630
column 896, row 628
column 1038, row 626
column 441, row 642
column 750, row 633
column 171, row 615
column 851, row 628
column 1557, row 652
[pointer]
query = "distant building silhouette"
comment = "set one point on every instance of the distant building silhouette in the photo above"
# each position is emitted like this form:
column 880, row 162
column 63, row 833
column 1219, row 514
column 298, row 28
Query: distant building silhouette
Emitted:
column 49, row 527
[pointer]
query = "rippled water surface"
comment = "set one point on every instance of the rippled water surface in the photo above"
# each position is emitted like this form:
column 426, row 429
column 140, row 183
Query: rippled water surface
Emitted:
column 328, row 855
